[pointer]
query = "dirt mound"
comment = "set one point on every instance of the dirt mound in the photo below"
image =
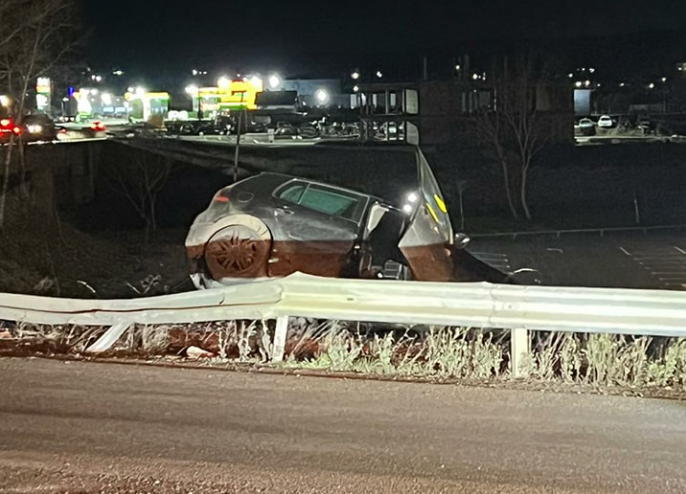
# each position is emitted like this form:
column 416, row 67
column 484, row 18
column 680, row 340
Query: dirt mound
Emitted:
column 41, row 256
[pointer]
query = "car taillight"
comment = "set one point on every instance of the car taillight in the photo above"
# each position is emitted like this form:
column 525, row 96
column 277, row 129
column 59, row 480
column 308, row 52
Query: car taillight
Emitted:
column 97, row 126
column 221, row 196
column 5, row 122
column 16, row 130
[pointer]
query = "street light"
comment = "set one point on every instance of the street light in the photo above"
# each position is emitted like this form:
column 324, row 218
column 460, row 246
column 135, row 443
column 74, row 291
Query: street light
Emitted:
column 224, row 82
column 355, row 75
column 322, row 96
column 274, row 81
column 255, row 81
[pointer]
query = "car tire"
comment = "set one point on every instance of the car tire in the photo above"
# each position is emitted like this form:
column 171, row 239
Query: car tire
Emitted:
column 239, row 251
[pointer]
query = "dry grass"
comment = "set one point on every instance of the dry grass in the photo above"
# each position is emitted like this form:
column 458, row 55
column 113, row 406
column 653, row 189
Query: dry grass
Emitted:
column 442, row 353
column 23, row 338
column 475, row 355
column 435, row 353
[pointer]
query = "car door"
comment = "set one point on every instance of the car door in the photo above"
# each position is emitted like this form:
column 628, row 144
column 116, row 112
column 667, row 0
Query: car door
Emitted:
column 427, row 240
column 315, row 229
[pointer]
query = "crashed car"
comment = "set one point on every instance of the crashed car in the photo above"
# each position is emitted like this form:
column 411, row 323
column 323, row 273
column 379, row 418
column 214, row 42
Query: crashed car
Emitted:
column 272, row 225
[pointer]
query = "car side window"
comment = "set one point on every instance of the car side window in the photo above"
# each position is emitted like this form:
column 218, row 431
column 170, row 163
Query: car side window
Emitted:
column 333, row 202
column 325, row 200
column 293, row 193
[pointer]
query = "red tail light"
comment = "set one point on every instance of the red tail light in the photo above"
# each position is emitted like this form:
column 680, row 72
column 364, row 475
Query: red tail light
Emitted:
column 97, row 126
column 16, row 131
column 6, row 122
column 221, row 196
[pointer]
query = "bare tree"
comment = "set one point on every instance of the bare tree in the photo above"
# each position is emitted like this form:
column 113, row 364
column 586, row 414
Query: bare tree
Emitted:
column 34, row 37
column 140, row 181
column 10, row 22
column 491, row 129
column 515, row 127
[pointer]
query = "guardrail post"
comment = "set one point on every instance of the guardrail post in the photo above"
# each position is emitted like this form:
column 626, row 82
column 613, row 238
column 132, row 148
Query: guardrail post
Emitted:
column 107, row 340
column 520, row 348
column 280, row 334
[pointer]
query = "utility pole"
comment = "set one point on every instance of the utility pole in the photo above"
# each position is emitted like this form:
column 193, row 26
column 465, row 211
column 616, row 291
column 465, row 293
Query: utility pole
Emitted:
column 238, row 140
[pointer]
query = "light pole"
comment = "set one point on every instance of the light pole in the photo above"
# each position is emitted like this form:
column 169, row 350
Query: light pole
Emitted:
column 238, row 139
column 194, row 92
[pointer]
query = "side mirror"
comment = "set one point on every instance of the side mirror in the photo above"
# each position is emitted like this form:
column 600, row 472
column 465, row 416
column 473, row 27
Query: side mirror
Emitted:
column 461, row 240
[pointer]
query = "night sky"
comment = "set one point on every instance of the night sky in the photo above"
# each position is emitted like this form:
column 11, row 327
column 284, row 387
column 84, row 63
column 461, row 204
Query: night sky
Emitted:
column 325, row 36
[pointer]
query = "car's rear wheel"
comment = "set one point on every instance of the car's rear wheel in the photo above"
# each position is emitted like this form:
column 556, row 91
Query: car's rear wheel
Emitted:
column 238, row 251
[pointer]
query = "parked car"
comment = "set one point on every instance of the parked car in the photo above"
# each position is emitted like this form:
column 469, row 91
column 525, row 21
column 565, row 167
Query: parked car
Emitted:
column 8, row 129
column 273, row 225
column 645, row 125
column 605, row 122
column 585, row 126
column 96, row 130
column 40, row 127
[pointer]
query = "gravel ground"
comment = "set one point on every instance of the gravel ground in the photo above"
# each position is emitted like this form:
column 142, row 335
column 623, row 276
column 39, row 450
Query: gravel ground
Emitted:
column 90, row 428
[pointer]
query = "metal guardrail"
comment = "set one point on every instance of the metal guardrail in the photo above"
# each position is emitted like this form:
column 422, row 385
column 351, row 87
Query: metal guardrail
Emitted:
column 480, row 305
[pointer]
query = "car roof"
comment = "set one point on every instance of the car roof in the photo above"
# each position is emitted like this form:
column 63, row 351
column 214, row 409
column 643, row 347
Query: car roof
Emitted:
column 272, row 180
column 385, row 170
column 37, row 116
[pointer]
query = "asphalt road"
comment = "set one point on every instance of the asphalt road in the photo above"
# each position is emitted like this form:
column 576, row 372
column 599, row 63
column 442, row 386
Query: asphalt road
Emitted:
column 656, row 260
column 96, row 428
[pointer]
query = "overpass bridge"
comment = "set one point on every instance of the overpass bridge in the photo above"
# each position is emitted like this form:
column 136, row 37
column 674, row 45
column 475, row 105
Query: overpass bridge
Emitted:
column 76, row 163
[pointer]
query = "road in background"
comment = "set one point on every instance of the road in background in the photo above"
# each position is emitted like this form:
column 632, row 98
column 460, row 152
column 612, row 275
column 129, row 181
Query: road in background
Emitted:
column 615, row 260
column 96, row 428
